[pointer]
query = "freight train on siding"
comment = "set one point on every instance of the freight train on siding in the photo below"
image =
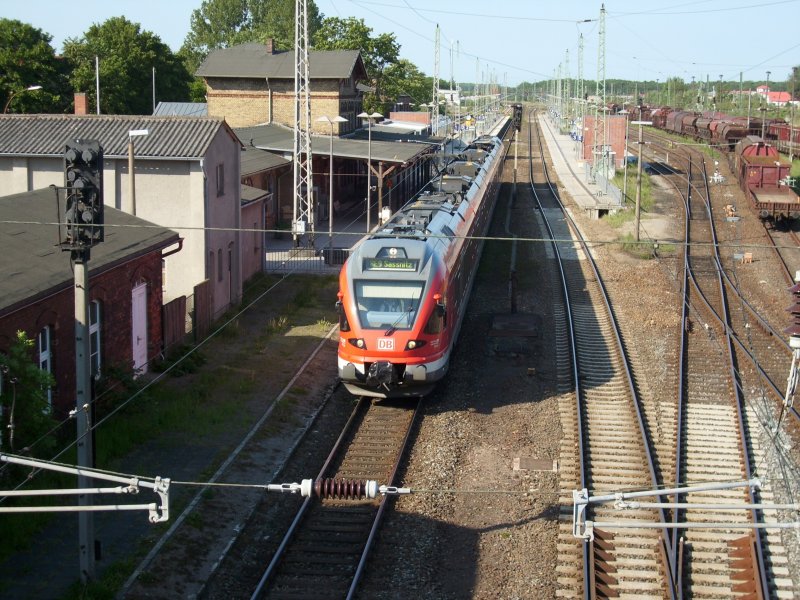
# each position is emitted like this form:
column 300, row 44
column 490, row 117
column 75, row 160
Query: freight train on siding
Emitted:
column 758, row 166
column 404, row 289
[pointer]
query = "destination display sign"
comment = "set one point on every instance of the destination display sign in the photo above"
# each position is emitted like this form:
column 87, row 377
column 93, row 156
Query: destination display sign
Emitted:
column 391, row 264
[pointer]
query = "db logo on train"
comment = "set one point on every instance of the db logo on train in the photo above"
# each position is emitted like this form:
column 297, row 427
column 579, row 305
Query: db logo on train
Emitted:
column 385, row 343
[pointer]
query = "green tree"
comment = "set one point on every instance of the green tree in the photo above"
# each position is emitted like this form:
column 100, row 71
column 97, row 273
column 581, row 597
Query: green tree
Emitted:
column 275, row 19
column 403, row 77
column 127, row 56
column 226, row 23
column 27, row 59
column 25, row 411
column 378, row 52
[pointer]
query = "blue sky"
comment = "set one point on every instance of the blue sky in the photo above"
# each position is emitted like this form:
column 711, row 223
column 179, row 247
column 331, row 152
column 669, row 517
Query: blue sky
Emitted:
column 515, row 40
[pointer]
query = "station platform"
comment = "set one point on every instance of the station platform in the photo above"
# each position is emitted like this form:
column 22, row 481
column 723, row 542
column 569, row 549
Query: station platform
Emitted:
column 571, row 171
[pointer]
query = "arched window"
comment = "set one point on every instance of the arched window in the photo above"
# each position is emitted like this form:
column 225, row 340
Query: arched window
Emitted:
column 95, row 356
column 219, row 264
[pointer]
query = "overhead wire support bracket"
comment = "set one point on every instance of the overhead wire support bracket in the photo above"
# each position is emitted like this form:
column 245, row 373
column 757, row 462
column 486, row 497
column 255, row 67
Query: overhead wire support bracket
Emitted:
column 583, row 528
column 158, row 511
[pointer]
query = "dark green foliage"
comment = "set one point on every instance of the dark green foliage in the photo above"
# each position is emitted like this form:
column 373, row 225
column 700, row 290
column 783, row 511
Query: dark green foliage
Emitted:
column 127, row 57
column 378, row 52
column 226, row 23
column 26, row 414
column 27, row 59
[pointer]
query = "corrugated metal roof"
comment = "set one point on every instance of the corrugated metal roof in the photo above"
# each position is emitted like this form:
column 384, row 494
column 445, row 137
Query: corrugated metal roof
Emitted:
column 281, row 139
column 253, row 60
column 181, row 109
column 250, row 193
column 32, row 264
column 255, row 160
column 169, row 137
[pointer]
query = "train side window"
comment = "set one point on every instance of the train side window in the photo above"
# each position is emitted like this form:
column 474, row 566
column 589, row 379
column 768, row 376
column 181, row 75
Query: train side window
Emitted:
column 435, row 323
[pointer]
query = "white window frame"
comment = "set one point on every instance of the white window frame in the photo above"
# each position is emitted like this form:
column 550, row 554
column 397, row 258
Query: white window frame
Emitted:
column 46, row 356
column 95, row 353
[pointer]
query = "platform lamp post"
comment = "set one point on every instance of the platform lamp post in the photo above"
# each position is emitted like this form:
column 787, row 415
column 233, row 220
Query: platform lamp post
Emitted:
column 369, row 118
column 639, row 176
column 131, row 172
column 329, row 121
column 30, row 88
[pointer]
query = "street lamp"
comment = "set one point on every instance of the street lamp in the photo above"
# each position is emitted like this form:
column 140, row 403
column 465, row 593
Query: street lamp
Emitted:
column 364, row 115
column 131, row 180
column 30, row 88
column 329, row 121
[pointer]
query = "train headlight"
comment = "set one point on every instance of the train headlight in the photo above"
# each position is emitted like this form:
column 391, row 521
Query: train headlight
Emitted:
column 414, row 344
column 358, row 343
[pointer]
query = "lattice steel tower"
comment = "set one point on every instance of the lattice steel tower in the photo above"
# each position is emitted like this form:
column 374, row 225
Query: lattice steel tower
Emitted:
column 303, row 180
column 435, row 98
column 600, row 142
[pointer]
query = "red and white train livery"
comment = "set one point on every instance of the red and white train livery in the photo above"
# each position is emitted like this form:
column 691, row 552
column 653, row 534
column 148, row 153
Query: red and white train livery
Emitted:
column 404, row 290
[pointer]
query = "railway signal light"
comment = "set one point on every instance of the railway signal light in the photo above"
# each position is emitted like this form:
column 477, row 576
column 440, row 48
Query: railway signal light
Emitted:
column 83, row 174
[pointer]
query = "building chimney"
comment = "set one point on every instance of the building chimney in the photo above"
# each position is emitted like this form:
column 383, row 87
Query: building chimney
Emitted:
column 269, row 45
column 81, row 103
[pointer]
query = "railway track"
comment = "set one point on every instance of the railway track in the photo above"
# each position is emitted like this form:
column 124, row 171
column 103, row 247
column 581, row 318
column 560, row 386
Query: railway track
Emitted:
column 613, row 449
column 715, row 441
column 707, row 553
column 324, row 551
column 785, row 245
column 762, row 354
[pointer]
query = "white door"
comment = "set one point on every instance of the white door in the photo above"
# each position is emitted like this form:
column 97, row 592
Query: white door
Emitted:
column 139, row 328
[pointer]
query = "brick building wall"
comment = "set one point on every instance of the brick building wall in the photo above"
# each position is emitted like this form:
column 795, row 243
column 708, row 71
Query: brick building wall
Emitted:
column 113, row 290
column 615, row 137
column 244, row 102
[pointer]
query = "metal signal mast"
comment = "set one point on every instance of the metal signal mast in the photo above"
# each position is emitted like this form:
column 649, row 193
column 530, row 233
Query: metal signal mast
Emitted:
column 435, row 100
column 303, row 188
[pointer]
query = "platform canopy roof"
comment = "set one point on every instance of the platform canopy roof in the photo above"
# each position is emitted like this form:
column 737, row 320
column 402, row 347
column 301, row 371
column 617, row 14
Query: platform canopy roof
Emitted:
column 277, row 138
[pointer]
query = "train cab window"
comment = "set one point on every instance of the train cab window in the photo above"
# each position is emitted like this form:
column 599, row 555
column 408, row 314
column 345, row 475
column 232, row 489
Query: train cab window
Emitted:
column 388, row 304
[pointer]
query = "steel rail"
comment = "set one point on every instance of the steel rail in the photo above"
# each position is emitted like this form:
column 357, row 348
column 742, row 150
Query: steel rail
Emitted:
column 335, row 455
column 360, row 407
column 665, row 537
column 761, row 321
column 740, row 401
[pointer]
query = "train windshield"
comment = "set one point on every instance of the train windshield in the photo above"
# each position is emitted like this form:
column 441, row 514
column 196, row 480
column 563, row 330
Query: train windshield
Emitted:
column 388, row 304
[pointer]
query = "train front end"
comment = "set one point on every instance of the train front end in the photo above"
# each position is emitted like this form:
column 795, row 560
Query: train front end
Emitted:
column 393, row 339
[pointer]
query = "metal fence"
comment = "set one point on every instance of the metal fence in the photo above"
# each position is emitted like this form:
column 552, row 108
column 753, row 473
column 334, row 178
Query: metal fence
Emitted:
column 307, row 260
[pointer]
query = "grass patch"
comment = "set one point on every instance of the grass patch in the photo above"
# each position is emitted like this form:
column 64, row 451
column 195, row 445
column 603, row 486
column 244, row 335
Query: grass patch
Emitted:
column 204, row 400
column 642, row 249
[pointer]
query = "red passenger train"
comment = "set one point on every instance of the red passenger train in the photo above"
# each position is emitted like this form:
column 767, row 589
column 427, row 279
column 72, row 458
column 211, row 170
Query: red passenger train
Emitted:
column 404, row 290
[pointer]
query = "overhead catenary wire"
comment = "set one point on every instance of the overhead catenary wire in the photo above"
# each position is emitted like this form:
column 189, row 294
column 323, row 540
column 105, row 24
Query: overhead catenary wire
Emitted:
column 360, row 234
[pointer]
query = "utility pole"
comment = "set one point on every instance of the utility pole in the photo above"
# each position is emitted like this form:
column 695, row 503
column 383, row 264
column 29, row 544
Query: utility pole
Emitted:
column 581, row 99
column 639, row 177
column 766, row 107
column 83, row 221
